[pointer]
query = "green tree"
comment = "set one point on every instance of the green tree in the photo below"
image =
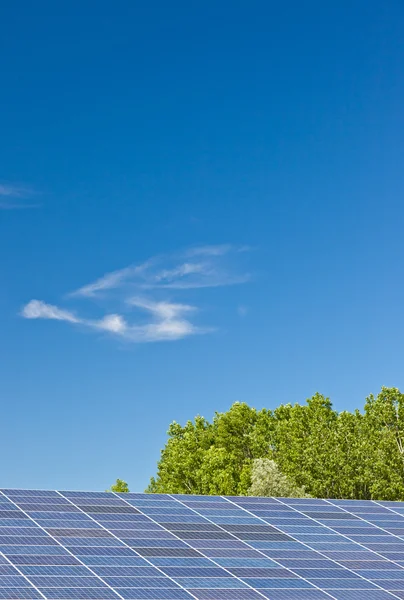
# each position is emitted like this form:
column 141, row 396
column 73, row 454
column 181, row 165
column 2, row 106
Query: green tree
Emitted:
column 305, row 437
column 213, row 458
column 120, row 486
column 328, row 454
column 268, row 480
column 384, row 447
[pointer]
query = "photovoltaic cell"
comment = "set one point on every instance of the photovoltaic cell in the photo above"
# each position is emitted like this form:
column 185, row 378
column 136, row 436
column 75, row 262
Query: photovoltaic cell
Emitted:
column 79, row 545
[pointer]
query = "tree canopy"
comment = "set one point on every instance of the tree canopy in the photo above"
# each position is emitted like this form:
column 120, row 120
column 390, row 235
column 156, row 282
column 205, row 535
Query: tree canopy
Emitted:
column 119, row 486
column 302, row 449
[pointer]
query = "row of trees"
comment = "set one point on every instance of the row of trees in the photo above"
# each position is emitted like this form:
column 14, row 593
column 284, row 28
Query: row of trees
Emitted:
column 297, row 450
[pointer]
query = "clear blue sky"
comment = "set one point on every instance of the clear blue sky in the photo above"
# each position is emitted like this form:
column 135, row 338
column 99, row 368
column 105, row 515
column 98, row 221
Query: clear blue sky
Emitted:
column 238, row 166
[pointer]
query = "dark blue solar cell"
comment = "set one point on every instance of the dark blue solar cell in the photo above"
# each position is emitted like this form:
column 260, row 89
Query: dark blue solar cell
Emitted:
column 368, row 564
column 147, row 551
column 152, row 543
column 154, row 594
column 294, row 545
column 390, row 584
column 39, row 500
column 195, row 572
column 33, row 493
column 231, row 553
column 196, row 505
column 16, row 522
column 263, row 563
column 68, row 516
column 361, row 595
column 127, row 571
column 8, row 570
column 180, row 510
column 180, row 562
column 63, row 582
column 211, row 582
column 298, row 529
column 335, row 584
column 140, row 582
column 66, row 508
column 53, row 593
column 13, row 580
column 320, row 563
column 12, row 514
column 89, row 541
column 245, row 594
column 134, row 561
column 100, row 551
column 233, row 520
column 19, row 594
column 54, row 550
column 75, row 571
column 22, row 531
column 273, row 571
column 258, row 583
column 196, row 498
column 232, row 543
column 73, row 495
column 190, row 518
column 31, row 540
column 43, row 560
column 383, row 574
column 308, row 594
column 338, row 573
column 341, row 546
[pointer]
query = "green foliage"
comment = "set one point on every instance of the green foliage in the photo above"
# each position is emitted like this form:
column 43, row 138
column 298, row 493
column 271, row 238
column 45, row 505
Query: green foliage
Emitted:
column 120, row 486
column 212, row 458
column 319, row 451
column 268, row 480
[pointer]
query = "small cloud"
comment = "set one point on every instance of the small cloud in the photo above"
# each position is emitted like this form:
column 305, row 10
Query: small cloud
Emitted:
column 242, row 310
column 12, row 192
column 112, row 323
column 218, row 250
column 36, row 309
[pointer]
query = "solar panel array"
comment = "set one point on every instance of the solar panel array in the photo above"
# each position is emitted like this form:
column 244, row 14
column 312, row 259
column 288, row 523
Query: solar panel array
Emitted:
column 97, row 545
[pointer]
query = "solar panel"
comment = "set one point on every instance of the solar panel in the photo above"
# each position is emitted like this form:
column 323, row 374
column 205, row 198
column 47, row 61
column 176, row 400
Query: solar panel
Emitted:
column 98, row 545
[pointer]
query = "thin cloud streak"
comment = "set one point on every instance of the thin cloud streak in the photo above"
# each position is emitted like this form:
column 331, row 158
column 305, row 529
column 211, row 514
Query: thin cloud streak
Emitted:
column 172, row 271
column 10, row 192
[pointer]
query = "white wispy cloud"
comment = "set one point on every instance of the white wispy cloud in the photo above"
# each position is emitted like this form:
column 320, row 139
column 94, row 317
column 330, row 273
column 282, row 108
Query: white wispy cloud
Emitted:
column 36, row 309
column 11, row 194
column 198, row 267
column 160, row 319
column 212, row 250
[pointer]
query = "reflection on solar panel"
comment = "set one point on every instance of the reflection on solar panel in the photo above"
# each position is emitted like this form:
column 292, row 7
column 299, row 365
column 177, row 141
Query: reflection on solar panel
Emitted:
column 96, row 545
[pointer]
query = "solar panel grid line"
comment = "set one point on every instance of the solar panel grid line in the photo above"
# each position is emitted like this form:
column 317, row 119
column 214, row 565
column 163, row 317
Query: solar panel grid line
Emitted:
column 22, row 574
column 390, row 509
column 390, row 534
column 377, row 526
column 136, row 554
column 203, row 554
column 250, row 546
column 320, row 553
column 354, row 542
column 68, row 551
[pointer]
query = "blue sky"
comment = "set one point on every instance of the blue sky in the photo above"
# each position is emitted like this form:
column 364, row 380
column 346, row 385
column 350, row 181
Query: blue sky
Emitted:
column 199, row 203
